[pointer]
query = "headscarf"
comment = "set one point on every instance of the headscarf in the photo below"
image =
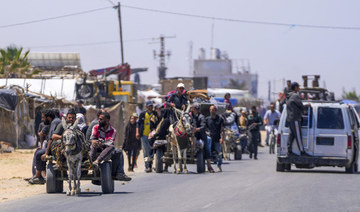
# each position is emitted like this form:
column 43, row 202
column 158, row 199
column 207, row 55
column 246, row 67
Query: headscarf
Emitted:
column 81, row 121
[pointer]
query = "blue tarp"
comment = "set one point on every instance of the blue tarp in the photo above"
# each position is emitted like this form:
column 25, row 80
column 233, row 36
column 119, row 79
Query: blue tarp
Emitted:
column 221, row 99
column 347, row 101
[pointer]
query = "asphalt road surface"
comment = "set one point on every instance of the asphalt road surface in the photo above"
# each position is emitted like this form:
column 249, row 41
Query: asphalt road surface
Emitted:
column 245, row 185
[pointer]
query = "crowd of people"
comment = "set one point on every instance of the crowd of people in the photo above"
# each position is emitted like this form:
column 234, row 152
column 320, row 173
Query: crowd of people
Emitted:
column 99, row 136
column 145, row 127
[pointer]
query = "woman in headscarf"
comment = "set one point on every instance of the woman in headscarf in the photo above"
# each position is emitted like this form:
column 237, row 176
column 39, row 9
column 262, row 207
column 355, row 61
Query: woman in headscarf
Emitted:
column 131, row 144
column 81, row 122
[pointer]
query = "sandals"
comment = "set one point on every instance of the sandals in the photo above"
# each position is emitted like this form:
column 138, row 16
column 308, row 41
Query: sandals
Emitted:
column 211, row 170
column 37, row 180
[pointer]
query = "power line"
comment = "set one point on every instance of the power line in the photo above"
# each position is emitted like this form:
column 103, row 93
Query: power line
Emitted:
column 88, row 44
column 188, row 15
column 53, row 18
column 242, row 20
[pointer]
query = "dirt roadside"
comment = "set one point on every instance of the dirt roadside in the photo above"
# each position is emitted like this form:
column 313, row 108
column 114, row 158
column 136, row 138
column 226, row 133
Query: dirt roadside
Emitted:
column 16, row 166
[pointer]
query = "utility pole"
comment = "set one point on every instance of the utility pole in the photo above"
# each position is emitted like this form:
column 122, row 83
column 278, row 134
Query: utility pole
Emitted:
column 269, row 91
column 118, row 7
column 162, row 66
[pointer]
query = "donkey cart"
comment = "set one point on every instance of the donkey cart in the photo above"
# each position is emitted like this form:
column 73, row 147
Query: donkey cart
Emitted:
column 57, row 172
column 164, row 156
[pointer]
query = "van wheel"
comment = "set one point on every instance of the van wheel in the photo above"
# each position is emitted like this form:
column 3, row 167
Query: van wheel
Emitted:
column 287, row 166
column 351, row 169
column 356, row 167
column 280, row 167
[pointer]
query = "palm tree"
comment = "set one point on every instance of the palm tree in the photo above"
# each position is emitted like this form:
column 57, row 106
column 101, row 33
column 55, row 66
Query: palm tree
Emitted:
column 351, row 95
column 13, row 63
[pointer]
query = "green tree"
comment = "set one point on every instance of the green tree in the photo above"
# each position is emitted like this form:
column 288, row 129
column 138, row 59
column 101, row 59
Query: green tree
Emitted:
column 351, row 95
column 14, row 63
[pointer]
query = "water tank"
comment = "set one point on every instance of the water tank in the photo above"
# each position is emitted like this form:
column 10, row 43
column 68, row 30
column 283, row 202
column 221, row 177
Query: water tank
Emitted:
column 215, row 54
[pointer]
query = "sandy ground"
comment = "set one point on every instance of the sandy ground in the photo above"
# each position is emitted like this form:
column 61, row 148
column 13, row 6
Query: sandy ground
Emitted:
column 16, row 166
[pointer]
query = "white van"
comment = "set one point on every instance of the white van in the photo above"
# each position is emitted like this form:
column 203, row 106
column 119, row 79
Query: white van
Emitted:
column 330, row 136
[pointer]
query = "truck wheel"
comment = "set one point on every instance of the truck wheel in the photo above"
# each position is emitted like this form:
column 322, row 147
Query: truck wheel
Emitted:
column 158, row 161
column 107, row 182
column 280, row 167
column 52, row 184
column 200, row 162
column 238, row 152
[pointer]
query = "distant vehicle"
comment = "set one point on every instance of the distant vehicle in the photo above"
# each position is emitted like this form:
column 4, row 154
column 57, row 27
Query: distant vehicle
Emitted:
column 330, row 135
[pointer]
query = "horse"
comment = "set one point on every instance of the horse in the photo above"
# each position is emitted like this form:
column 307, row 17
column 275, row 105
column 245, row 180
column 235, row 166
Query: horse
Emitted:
column 180, row 134
column 73, row 154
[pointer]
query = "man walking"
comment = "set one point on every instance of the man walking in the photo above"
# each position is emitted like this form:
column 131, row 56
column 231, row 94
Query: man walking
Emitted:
column 215, row 125
column 294, row 109
column 254, row 123
column 270, row 117
column 143, row 131
column 199, row 124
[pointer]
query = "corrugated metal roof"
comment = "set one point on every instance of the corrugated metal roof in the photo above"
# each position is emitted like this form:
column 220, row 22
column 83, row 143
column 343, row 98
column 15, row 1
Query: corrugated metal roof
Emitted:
column 50, row 59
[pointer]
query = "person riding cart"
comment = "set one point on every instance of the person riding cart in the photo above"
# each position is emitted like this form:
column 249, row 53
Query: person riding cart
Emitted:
column 102, row 147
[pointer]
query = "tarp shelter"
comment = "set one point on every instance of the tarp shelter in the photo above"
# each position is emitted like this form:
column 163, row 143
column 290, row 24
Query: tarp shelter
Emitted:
column 61, row 88
column 16, row 125
column 119, row 117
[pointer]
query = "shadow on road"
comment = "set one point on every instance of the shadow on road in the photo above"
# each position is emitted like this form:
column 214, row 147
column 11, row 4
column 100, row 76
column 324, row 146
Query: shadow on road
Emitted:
column 92, row 194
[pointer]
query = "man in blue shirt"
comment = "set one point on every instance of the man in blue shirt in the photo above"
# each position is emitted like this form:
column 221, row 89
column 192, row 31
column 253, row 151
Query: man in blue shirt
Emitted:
column 270, row 117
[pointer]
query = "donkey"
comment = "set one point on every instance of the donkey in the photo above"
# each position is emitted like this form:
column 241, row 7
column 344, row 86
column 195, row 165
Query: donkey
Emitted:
column 180, row 135
column 73, row 155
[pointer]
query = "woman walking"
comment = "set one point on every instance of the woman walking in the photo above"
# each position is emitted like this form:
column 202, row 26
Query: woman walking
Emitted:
column 131, row 144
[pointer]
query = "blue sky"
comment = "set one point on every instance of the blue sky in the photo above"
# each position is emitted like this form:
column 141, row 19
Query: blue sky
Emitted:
column 275, row 52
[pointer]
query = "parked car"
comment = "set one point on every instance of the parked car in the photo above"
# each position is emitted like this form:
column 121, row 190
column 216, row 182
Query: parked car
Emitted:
column 330, row 136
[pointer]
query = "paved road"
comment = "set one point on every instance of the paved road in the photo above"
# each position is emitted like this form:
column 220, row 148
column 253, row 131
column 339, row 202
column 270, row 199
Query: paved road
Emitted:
column 245, row 185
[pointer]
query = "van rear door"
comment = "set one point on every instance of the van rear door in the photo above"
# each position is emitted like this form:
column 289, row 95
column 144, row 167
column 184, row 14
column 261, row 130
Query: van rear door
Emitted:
column 330, row 137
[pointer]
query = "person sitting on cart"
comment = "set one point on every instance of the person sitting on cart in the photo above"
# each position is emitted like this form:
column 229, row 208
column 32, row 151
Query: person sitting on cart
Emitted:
column 161, row 130
column 49, row 119
column 177, row 100
column 200, row 134
column 102, row 147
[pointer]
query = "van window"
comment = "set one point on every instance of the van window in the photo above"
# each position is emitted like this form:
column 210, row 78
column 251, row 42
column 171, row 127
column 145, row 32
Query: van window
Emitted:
column 330, row 118
column 304, row 121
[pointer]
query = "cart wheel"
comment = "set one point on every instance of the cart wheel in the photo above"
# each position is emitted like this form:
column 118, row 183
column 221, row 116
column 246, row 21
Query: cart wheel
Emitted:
column 200, row 162
column 158, row 161
column 238, row 152
column 53, row 185
column 107, row 182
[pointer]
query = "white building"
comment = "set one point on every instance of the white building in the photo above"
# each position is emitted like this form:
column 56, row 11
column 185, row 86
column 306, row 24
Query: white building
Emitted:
column 219, row 70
